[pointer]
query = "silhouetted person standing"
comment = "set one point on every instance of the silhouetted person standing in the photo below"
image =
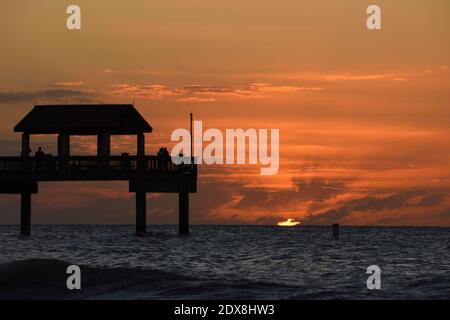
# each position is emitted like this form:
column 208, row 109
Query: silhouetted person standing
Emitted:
column 39, row 153
column 39, row 158
column 163, row 161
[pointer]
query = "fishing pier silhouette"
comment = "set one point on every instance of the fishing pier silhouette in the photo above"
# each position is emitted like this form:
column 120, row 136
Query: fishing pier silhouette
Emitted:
column 145, row 173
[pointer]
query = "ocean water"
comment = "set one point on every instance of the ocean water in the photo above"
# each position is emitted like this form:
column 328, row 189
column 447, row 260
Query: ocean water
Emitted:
column 225, row 262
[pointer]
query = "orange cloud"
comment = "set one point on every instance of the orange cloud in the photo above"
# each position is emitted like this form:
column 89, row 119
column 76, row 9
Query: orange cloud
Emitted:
column 196, row 93
column 69, row 84
column 151, row 91
column 196, row 100
column 267, row 87
column 364, row 77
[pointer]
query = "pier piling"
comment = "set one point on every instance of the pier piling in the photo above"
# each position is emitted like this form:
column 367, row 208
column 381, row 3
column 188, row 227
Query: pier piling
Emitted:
column 184, row 213
column 25, row 214
column 141, row 210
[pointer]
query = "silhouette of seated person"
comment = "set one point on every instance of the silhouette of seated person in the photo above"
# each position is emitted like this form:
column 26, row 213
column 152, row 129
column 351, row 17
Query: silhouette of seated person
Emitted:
column 163, row 158
column 39, row 158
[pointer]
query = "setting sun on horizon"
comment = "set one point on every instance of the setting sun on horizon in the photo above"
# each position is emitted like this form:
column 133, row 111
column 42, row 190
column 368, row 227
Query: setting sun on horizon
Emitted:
column 288, row 223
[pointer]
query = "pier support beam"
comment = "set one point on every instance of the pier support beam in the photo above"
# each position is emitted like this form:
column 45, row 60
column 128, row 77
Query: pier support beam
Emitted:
column 183, row 213
column 25, row 214
column 141, row 213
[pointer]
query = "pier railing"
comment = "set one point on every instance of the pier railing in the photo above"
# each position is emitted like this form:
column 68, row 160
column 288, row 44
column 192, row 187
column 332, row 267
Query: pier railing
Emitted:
column 48, row 168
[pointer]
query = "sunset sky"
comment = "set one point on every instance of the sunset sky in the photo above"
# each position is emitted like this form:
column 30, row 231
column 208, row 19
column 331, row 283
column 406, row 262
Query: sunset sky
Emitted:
column 364, row 116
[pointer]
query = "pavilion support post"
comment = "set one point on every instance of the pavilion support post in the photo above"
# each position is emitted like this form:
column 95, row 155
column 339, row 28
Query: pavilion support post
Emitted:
column 26, row 162
column 183, row 213
column 99, row 145
column 63, row 151
column 141, row 144
column 104, row 145
column 103, row 148
column 25, row 145
column 63, row 145
column 141, row 164
column 141, row 212
column 25, row 214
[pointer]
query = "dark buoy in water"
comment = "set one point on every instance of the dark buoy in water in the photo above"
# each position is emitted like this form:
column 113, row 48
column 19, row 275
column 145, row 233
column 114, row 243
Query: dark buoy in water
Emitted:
column 336, row 231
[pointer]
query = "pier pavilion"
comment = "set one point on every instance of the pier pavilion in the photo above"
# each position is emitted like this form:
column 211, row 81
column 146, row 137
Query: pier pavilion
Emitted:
column 145, row 173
